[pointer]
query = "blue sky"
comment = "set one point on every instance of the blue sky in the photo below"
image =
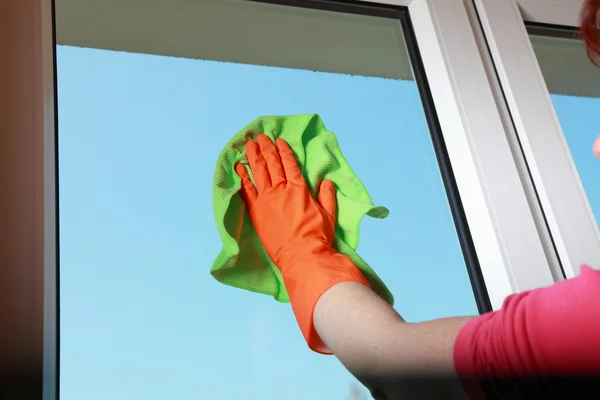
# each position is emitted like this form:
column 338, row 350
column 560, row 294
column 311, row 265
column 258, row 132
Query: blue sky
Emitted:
column 141, row 317
column 579, row 120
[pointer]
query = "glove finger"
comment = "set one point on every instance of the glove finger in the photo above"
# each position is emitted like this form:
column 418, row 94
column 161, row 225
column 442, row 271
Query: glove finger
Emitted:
column 258, row 166
column 248, row 191
column 290, row 166
column 271, row 156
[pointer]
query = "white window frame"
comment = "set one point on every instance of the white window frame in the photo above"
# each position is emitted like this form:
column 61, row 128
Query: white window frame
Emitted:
column 568, row 213
column 510, row 251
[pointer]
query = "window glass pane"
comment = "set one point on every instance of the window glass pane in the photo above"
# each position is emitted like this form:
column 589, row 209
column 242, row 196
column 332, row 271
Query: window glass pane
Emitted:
column 575, row 91
column 139, row 134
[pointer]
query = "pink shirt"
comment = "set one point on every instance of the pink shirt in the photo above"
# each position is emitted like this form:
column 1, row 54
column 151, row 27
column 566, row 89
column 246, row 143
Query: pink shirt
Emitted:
column 537, row 345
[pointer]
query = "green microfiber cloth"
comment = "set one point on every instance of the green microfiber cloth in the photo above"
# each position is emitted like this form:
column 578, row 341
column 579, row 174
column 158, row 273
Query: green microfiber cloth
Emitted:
column 243, row 262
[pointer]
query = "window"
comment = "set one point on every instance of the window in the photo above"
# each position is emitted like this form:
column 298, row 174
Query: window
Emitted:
column 140, row 83
column 138, row 138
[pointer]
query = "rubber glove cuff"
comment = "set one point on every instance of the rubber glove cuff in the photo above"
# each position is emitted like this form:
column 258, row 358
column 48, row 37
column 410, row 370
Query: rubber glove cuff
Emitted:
column 308, row 274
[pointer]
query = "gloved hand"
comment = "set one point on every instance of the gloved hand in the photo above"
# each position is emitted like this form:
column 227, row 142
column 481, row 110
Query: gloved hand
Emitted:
column 296, row 231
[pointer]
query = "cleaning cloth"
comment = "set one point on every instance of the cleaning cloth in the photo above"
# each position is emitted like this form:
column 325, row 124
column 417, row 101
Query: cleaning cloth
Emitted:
column 243, row 262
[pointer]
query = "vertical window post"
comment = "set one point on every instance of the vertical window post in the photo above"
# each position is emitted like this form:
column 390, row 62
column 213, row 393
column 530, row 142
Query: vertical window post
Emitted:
column 28, row 236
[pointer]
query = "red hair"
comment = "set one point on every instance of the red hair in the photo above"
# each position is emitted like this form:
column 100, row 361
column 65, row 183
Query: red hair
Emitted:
column 590, row 18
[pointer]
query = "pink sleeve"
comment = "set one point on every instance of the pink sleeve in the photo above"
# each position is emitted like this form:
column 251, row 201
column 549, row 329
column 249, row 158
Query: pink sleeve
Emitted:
column 547, row 332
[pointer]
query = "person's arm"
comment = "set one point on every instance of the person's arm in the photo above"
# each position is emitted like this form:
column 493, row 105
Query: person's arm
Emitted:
column 391, row 357
column 538, row 341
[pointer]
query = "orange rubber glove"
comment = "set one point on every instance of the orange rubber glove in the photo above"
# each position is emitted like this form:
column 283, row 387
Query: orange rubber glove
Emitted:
column 296, row 231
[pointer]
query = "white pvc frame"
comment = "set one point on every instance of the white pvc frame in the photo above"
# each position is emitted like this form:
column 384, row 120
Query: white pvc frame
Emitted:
column 509, row 248
column 561, row 194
